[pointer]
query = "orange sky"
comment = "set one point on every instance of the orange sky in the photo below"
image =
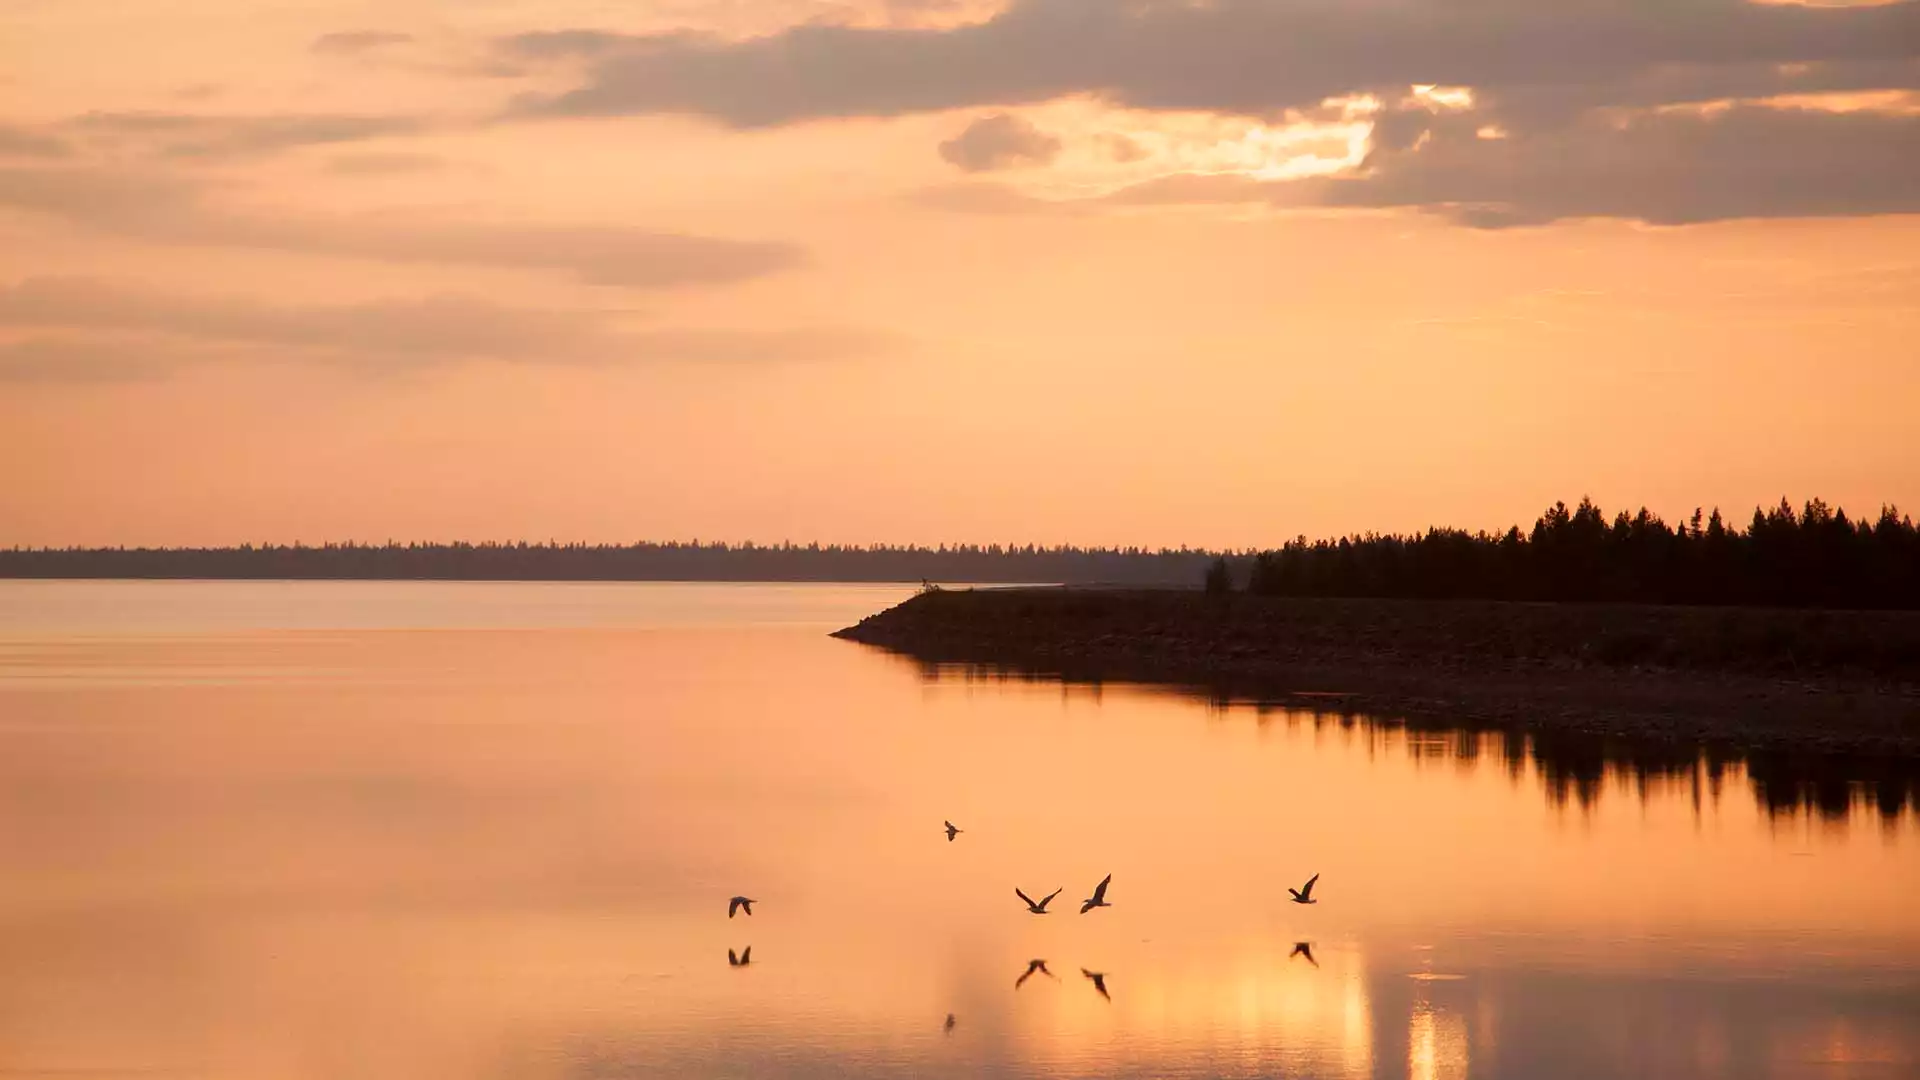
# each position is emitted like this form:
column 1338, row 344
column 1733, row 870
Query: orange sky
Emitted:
column 918, row 271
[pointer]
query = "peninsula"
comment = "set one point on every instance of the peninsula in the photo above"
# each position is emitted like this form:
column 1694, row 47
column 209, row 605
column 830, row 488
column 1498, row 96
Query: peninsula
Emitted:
column 1758, row 679
column 1799, row 632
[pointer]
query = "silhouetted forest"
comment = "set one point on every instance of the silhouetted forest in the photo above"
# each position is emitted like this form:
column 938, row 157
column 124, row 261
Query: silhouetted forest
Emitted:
column 694, row 561
column 1816, row 557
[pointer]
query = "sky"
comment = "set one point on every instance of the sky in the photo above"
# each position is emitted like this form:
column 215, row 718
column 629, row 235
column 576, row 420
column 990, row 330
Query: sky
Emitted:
column 1209, row 272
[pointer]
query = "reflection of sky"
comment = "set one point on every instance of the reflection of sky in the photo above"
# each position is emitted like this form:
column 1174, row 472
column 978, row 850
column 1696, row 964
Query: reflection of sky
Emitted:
column 506, row 852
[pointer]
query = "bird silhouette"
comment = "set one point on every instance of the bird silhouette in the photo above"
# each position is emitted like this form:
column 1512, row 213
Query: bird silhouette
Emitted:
column 948, row 1026
column 1304, row 948
column 1304, row 894
column 739, row 903
column 1039, row 908
column 1099, row 982
column 745, row 957
column 952, row 830
column 1033, row 966
column 1099, row 897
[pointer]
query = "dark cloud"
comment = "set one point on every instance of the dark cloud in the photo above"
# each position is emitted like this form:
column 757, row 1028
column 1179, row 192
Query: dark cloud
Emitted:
column 191, row 135
column 132, row 332
column 22, row 142
column 1001, row 141
column 1664, row 168
column 1250, row 56
column 1574, row 81
column 158, row 208
column 355, row 42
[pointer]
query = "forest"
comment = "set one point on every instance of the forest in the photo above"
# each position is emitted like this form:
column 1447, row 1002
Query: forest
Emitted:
column 672, row 561
column 1816, row 556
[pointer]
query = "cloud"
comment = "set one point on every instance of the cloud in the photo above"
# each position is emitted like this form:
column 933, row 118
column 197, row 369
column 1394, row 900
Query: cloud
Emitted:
column 355, row 42
column 162, row 209
column 1665, row 168
column 133, row 332
column 95, row 360
column 1247, row 56
column 22, row 142
column 1001, row 141
column 558, row 44
column 191, row 135
column 371, row 164
column 1592, row 81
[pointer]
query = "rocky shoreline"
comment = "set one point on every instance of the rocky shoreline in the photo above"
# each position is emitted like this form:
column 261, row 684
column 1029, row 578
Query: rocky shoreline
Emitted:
column 1753, row 680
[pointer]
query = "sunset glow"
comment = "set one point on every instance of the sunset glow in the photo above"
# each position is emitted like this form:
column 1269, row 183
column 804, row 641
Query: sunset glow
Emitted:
column 796, row 270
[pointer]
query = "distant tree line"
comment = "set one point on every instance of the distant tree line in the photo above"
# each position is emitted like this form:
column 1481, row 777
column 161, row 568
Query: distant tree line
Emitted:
column 1816, row 557
column 691, row 561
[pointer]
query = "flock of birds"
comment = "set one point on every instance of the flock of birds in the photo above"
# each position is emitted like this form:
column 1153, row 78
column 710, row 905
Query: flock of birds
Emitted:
column 1302, row 895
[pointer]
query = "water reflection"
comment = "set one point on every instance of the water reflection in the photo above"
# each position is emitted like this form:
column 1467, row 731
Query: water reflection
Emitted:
column 1573, row 767
column 432, row 852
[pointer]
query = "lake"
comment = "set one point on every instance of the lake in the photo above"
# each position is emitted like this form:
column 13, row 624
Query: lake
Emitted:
column 436, row 830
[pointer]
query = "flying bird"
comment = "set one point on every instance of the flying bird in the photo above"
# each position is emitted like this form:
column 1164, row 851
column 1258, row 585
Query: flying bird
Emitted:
column 1033, row 966
column 1039, row 908
column 1304, row 895
column 1099, row 981
column 952, row 830
column 950, row 1022
column 1099, row 897
column 1304, row 948
column 745, row 957
column 739, row 903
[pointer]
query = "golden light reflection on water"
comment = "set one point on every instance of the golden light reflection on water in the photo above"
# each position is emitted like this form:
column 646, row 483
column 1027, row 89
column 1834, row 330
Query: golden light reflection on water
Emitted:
column 489, row 830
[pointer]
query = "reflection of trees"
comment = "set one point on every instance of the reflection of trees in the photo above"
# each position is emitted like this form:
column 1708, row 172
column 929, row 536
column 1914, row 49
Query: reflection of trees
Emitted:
column 1574, row 768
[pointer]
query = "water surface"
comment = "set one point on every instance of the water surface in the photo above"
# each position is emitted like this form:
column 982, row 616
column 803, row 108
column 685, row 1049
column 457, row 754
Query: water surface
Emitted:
column 448, row 830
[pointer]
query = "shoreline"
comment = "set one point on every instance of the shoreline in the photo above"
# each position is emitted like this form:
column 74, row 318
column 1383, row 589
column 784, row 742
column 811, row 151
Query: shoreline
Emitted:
column 1745, row 679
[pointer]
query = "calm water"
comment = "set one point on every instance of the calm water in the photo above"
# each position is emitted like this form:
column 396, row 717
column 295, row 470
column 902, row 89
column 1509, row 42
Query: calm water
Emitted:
column 489, row 830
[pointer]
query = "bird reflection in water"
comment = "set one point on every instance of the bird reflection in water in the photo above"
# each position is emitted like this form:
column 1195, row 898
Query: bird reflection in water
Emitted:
column 742, row 960
column 1304, row 948
column 1033, row 966
column 1099, row 982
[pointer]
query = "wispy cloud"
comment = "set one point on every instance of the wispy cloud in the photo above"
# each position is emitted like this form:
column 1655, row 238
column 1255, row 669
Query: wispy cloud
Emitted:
column 21, row 142
column 198, row 135
column 163, row 209
column 110, row 330
column 356, row 42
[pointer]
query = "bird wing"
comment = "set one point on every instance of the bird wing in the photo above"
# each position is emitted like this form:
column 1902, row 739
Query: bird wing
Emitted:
column 1308, row 890
column 746, row 955
column 733, row 905
column 1023, row 896
column 1100, row 890
column 1049, row 899
column 949, row 826
column 732, row 960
